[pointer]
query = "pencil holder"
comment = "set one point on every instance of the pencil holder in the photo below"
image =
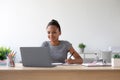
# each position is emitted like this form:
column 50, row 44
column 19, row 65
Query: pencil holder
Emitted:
column 11, row 62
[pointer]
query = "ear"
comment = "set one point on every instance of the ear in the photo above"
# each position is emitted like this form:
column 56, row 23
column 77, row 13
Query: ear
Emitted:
column 60, row 33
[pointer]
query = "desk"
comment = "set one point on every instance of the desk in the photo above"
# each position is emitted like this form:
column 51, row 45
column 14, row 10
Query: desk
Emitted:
column 71, row 72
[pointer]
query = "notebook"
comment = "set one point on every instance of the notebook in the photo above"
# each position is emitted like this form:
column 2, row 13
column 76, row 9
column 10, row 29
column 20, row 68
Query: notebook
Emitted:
column 35, row 57
column 96, row 64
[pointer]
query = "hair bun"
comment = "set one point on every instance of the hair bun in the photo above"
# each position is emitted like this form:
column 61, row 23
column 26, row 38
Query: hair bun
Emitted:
column 53, row 20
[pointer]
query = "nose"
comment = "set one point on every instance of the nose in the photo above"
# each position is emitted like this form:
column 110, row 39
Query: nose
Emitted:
column 50, row 35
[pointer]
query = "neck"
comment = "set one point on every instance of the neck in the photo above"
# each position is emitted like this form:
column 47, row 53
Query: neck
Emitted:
column 55, row 43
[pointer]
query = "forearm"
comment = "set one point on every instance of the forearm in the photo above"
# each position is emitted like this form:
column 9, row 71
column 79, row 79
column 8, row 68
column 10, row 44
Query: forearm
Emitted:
column 74, row 61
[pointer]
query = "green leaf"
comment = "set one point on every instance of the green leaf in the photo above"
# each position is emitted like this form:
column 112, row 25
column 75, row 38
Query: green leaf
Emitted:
column 4, row 51
column 116, row 56
column 81, row 45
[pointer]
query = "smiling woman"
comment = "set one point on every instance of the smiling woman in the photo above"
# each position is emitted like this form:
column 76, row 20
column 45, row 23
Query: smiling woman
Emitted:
column 59, row 48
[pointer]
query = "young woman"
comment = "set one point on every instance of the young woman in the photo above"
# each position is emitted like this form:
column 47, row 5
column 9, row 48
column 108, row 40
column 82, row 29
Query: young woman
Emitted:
column 60, row 48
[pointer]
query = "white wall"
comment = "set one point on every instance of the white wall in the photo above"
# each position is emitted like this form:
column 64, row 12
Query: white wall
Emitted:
column 94, row 22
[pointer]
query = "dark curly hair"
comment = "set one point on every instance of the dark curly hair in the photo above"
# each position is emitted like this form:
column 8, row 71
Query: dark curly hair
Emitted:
column 55, row 23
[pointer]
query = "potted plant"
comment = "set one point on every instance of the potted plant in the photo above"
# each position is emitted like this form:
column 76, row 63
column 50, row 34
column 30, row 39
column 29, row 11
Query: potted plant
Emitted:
column 116, row 60
column 4, row 51
column 82, row 47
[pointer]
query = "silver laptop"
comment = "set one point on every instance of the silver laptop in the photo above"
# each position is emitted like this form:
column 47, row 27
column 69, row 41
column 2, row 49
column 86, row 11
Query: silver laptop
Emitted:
column 35, row 57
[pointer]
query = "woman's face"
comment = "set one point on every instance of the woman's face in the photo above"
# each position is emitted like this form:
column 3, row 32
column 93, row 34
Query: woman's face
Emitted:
column 53, row 33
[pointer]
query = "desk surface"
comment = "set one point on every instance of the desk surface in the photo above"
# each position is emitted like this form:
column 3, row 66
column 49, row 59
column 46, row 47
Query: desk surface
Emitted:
column 59, row 67
column 65, row 72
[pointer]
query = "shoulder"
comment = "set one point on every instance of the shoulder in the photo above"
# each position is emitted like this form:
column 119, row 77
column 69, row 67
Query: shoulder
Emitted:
column 65, row 42
column 45, row 43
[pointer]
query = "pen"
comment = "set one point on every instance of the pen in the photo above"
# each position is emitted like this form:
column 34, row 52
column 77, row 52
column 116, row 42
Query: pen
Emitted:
column 71, row 55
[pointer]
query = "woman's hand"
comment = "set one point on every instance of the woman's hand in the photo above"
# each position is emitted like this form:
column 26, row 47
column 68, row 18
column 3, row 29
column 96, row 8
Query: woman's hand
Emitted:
column 69, row 61
column 74, row 61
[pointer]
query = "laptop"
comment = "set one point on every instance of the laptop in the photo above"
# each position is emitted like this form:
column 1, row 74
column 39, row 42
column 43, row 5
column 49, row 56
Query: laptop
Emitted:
column 35, row 57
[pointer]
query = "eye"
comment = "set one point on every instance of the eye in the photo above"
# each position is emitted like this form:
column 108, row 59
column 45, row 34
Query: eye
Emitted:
column 54, row 32
column 48, row 32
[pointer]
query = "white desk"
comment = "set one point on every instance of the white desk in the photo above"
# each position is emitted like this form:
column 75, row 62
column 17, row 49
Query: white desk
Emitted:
column 73, row 72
